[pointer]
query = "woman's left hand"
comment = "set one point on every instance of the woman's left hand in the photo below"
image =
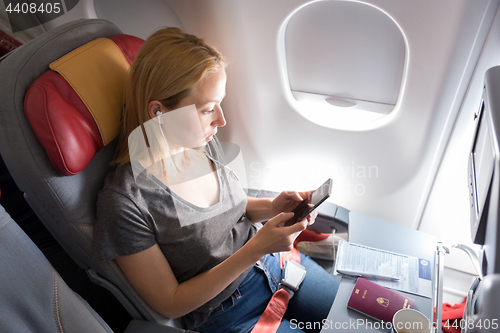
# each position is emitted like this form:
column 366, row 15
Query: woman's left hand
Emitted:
column 311, row 218
column 287, row 201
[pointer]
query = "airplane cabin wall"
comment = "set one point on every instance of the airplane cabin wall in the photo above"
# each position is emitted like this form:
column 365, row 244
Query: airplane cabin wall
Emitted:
column 417, row 154
column 386, row 171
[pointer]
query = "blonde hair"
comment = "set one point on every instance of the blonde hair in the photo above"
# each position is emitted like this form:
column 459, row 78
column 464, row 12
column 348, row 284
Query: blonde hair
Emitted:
column 167, row 68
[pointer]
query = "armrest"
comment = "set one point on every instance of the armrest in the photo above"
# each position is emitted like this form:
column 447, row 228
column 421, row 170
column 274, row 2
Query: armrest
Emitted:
column 141, row 326
column 330, row 215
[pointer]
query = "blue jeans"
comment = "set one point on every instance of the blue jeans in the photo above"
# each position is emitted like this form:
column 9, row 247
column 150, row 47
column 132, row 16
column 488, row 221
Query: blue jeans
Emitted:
column 307, row 308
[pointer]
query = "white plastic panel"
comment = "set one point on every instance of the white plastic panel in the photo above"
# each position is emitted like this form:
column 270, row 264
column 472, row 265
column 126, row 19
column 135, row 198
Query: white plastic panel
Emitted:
column 138, row 18
column 83, row 9
column 340, row 56
column 447, row 210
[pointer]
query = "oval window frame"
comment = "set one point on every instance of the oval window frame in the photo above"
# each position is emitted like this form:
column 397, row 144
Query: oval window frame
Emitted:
column 339, row 112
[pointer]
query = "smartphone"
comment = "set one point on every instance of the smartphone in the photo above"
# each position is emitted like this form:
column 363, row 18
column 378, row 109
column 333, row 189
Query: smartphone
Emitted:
column 311, row 203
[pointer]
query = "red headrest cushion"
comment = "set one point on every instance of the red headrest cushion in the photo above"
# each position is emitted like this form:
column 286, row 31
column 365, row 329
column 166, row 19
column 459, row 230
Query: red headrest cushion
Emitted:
column 61, row 120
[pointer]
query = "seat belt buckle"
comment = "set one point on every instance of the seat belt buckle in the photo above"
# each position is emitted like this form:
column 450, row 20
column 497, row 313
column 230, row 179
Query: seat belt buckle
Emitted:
column 294, row 275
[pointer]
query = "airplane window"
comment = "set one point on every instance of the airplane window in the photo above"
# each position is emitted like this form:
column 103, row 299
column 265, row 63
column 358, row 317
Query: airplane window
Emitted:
column 343, row 62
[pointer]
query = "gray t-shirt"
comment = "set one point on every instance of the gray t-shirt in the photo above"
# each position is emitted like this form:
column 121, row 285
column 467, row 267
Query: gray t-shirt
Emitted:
column 134, row 215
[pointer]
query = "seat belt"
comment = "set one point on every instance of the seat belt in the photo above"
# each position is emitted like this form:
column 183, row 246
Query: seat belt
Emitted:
column 276, row 308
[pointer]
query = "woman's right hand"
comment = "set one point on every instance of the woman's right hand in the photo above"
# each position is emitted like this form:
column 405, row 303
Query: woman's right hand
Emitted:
column 151, row 275
column 274, row 237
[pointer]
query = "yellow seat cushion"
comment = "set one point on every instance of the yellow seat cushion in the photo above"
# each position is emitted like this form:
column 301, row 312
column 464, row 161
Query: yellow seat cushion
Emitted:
column 97, row 72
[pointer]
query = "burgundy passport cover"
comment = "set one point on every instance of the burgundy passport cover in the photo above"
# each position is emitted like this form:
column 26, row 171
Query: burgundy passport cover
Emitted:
column 378, row 302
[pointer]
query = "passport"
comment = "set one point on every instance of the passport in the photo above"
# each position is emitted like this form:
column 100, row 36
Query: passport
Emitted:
column 376, row 301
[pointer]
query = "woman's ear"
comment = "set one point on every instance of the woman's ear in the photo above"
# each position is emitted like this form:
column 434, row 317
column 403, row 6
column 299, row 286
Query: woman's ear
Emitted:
column 153, row 108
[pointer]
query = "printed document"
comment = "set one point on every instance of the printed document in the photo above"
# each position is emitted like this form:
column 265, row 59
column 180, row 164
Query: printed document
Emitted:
column 414, row 274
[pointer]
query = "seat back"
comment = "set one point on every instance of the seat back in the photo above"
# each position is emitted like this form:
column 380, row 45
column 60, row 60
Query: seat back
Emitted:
column 33, row 297
column 62, row 195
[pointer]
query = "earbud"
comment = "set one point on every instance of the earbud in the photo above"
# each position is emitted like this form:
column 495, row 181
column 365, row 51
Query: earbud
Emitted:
column 158, row 114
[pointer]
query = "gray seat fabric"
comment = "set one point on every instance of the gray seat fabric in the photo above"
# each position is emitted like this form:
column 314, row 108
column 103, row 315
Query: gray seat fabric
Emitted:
column 33, row 297
column 65, row 204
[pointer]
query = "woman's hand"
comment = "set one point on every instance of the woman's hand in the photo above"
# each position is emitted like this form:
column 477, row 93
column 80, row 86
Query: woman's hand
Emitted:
column 311, row 218
column 262, row 209
column 274, row 237
column 287, row 201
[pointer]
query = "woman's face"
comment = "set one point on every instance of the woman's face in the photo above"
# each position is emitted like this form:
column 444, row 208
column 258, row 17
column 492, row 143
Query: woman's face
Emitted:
column 199, row 115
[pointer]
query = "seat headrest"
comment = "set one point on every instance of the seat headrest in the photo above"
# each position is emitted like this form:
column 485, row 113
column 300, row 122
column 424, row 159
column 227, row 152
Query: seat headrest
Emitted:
column 75, row 109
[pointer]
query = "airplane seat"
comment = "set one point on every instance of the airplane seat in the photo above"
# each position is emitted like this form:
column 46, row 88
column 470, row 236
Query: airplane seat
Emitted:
column 33, row 296
column 58, row 141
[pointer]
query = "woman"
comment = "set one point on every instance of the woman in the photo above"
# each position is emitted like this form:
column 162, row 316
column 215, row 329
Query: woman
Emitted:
column 177, row 220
